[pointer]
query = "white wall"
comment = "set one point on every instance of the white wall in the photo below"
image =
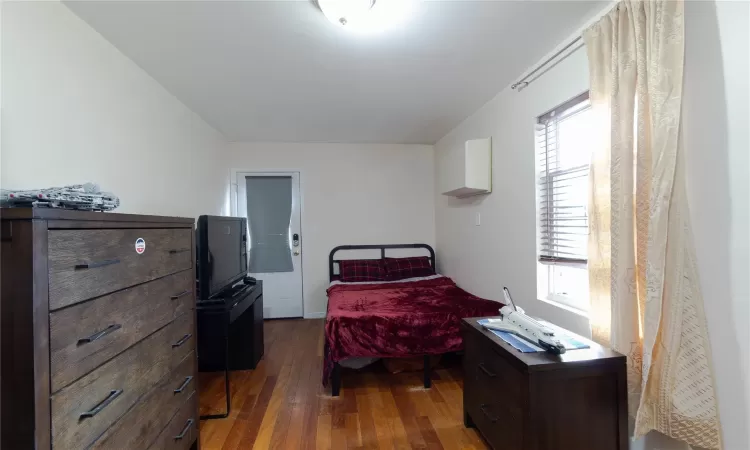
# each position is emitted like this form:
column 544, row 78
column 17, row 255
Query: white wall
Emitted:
column 75, row 110
column 502, row 250
column 717, row 145
column 351, row 194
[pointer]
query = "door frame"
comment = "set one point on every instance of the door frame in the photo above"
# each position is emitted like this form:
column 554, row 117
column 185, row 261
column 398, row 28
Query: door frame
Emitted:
column 234, row 211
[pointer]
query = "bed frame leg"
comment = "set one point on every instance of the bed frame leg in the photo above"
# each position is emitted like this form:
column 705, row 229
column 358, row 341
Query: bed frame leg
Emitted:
column 427, row 381
column 336, row 380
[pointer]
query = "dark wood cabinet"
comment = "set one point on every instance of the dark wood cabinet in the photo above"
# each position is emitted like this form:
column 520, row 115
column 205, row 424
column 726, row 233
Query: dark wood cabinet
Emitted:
column 98, row 330
column 540, row 401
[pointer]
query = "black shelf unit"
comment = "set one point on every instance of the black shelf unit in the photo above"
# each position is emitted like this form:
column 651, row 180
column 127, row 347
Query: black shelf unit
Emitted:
column 230, row 333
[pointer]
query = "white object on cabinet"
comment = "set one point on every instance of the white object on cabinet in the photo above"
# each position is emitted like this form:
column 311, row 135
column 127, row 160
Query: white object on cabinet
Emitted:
column 474, row 169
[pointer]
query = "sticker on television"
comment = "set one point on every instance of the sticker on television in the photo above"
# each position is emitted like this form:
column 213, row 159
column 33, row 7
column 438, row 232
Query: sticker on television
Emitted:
column 140, row 246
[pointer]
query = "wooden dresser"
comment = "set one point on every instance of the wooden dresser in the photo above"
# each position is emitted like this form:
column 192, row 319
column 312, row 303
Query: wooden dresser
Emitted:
column 98, row 331
column 540, row 401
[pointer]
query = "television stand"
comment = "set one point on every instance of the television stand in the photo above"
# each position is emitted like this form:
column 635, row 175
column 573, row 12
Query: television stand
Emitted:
column 230, row 333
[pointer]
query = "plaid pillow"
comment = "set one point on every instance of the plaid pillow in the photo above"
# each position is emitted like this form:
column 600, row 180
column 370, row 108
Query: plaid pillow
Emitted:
column 352, row 270
column 400, row 268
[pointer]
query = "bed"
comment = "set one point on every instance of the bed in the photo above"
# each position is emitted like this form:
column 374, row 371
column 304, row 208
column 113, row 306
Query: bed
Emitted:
column 410, row 317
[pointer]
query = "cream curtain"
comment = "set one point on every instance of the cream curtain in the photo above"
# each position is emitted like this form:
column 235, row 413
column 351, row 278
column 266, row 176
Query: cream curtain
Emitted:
column 645, row 295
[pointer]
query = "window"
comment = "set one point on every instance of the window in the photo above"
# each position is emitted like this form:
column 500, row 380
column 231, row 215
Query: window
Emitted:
column 564, row 145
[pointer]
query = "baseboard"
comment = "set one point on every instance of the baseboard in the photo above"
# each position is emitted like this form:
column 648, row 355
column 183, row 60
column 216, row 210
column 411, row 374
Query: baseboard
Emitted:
column 315, row 315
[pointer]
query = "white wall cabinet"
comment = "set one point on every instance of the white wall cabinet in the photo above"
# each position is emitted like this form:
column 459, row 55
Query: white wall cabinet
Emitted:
column 473, row 170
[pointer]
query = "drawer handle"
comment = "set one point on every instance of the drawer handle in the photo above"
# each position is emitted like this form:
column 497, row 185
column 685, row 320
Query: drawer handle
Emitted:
column 184, row 431
column 184, row 385
column 179, row 250
column 486, row 371
column 103, row 404
column 93, row 265
column 181, row 294
column 182, row 341
column 483, row 408
column 99, row 334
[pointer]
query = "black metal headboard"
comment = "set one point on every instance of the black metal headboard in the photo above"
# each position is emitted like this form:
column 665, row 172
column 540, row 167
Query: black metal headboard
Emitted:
column 382, row 249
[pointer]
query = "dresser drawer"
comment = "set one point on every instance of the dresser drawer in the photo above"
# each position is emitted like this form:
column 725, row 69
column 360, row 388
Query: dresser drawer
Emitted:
column 489, row 371
column 143, row 423
column 494, row 392
column 504, row 431
column 89, row 263
column 82, row 411
column 182, row 430
column 86, row 335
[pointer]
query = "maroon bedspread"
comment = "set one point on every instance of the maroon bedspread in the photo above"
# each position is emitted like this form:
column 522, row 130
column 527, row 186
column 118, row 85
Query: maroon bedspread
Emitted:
column 398, row 320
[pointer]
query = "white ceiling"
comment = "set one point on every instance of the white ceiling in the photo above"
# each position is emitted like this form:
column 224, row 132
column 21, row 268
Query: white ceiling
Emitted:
column 279, row 71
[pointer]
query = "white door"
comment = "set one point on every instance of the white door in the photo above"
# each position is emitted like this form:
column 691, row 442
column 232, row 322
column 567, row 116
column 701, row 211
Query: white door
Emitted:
column 271, row 203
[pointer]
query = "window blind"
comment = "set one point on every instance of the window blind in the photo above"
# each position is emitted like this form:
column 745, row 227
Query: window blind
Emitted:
column 563, row 163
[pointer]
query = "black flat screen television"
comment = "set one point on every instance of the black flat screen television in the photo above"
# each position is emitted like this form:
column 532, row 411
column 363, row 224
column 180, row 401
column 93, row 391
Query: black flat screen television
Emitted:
column 221, row 253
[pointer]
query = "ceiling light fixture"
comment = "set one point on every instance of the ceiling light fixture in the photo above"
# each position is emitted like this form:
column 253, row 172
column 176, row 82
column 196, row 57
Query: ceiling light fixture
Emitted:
column 346, row 12
column 366, row 15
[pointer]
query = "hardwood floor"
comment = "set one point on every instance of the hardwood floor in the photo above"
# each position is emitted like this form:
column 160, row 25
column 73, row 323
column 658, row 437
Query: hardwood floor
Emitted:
column 283, row 405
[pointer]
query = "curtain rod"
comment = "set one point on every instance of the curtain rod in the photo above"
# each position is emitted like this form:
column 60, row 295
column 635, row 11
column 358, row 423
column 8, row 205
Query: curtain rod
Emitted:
column 522, row 83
